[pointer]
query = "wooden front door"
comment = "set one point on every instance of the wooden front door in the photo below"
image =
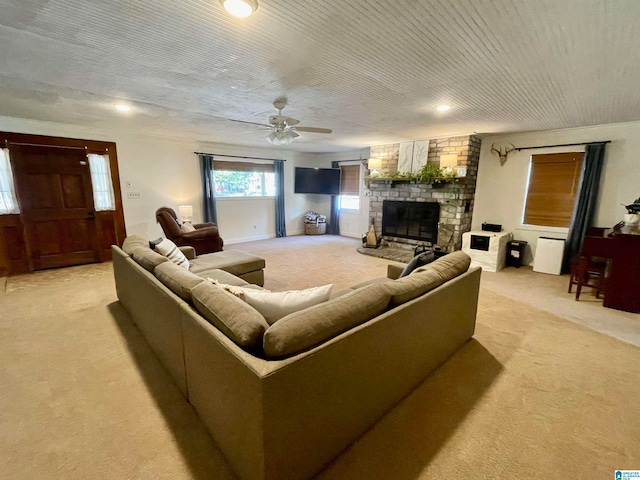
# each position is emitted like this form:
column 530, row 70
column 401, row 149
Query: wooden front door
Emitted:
column 56, row 201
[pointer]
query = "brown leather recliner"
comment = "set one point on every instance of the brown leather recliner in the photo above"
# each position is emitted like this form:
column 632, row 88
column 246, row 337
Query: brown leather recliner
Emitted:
column 205, row 239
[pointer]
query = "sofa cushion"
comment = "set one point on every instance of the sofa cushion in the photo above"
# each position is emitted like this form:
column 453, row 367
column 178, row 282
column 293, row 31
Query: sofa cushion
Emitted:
column 238, row 320
column 448, row 266
column 307, row 328
column 232, row 261
column 170, row 250
column 132, row 242
column 147, row 258
column 407, row 288
column 177, row 279
column 428, row 277
column 275, row 305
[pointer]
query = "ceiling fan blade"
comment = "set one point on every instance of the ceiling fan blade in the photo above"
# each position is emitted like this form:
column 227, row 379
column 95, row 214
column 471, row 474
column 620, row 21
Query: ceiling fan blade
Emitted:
column 249, row 123
column 314, row 129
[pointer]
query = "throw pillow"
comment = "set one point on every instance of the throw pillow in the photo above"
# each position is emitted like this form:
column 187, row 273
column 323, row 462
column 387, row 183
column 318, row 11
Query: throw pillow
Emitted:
column 418, row 261
column 169, row 249
column 153, row 243
column 186, row 227
column 275, row 305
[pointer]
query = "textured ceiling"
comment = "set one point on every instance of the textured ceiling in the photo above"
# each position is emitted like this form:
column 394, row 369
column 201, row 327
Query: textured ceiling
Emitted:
column 371, row 70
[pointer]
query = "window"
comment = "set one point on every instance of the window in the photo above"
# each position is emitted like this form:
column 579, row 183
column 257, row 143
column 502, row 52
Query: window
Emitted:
column 244, row 179
column 350, row 187
column 103, row 198
column 8, row 201
column 553, row 184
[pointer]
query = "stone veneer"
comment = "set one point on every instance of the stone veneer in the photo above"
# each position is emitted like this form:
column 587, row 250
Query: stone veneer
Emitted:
column 456, row 200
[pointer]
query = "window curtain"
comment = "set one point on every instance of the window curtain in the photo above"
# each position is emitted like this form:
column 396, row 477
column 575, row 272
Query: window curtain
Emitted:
column 208, row 188
column 281, row 227
column 103, row 197
column 8, row 200
column 586, row 201
column 334, row 221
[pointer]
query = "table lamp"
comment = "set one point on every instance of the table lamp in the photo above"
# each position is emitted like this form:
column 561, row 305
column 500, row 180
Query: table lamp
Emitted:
column 186, row 212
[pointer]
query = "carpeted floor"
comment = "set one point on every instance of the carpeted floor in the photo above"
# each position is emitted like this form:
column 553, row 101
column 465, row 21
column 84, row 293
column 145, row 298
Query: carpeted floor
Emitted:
column 531, row 396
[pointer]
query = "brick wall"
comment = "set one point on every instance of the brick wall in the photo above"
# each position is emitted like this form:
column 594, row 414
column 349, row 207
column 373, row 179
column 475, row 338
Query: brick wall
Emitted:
column 456, row 200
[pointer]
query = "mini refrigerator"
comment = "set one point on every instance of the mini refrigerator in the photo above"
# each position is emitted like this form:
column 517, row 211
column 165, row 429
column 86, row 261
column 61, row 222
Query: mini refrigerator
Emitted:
column 549, row 254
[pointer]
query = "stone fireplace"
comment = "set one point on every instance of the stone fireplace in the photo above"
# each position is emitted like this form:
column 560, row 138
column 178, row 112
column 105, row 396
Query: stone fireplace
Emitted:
column 455, row 200
column 411, row 220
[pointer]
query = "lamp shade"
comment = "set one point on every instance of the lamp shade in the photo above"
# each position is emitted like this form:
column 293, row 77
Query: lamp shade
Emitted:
column 374, row 164
column 186, row 211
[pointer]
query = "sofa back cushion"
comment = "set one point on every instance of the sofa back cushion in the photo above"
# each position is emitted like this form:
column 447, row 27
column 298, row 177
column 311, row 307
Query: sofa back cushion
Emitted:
column 177, row 279
column 132, row 242
column 137, row 247
column 147, row 258
column 412, row 286
column 428, row 277
column 307, row 328
column 448, row 266
column 238, row 320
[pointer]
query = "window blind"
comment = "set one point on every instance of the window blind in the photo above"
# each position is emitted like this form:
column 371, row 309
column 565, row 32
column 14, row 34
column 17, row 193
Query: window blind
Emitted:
column 553, row 184
column 242, row 166
column 349, row 179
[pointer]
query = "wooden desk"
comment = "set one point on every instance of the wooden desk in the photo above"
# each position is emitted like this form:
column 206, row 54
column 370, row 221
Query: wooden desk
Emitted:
column 622, row 288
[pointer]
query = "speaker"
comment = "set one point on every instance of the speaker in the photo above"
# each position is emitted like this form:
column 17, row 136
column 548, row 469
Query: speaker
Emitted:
column 491, row 227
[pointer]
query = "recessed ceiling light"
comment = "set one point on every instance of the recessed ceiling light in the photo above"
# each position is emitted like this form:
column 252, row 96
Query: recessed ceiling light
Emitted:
column 443, row 108
column 121, row 107
column 240, row 8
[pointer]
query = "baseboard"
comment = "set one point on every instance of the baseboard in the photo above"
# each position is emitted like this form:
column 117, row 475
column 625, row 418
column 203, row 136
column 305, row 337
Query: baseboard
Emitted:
column 248, row 239
column 350, row 234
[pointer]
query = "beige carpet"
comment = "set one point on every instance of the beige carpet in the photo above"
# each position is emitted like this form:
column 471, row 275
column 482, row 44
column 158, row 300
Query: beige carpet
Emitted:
column 532, row 396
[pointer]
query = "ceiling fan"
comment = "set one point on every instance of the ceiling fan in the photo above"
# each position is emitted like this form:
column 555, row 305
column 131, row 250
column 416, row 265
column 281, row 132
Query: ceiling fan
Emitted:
column 283, row 129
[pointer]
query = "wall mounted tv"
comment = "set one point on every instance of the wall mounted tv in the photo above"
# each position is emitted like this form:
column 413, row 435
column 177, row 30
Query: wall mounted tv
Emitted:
column 323, row 181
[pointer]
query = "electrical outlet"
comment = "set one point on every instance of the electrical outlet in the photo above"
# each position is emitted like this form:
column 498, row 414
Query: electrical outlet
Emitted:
column 134, row 195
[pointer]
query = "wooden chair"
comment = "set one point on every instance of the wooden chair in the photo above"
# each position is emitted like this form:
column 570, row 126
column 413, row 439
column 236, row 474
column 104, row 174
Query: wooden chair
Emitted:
column 590, row 267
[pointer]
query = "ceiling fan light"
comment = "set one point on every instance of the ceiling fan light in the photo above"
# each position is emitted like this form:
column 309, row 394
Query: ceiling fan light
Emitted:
column 240, row 8
column 280, row 138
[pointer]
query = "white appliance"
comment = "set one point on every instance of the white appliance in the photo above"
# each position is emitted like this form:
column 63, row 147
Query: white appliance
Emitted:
column 486, row 249
column 549, row 254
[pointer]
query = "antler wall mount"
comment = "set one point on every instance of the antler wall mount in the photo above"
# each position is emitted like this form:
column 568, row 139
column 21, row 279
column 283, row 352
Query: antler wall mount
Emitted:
column 502, row 155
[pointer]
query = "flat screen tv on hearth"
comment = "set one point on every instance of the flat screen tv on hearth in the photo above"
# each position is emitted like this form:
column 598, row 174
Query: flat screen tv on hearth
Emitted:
column 321, row 181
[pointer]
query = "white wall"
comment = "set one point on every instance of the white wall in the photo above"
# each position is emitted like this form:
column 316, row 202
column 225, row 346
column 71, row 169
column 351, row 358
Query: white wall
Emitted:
column 165, row 172
column 501, row 190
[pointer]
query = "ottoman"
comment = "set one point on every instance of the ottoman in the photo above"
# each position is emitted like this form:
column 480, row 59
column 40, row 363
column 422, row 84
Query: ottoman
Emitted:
column 248, row 267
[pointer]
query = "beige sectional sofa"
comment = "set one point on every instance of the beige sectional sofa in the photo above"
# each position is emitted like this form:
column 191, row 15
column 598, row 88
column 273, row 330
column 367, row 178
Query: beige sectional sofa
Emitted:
column 323, row 376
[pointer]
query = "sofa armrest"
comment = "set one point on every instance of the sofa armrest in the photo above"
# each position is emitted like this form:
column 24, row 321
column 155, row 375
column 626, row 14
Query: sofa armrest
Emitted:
column 188, row 251
column 394, row 271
